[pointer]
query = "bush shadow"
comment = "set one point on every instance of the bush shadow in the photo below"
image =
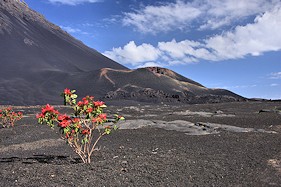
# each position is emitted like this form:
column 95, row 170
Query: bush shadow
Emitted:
column 43, row 159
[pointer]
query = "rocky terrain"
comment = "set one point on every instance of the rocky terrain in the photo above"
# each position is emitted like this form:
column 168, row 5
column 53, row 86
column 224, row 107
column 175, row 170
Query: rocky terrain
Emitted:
column 224, row 144
column 177, row 132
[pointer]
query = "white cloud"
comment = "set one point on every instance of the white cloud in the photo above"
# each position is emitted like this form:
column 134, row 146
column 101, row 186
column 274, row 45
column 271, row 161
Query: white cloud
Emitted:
column 224, row 12
column 186, row 50
column 252, row 39
column 70, row 29
column 73, row 2
column 261, row 36
column 73, row 30
column 166, row 17
column 273, row 85
column 275, row 75
column 206, row 14
column 133, row 54
column 150, row 64
column 239, row 87
column 87, row 25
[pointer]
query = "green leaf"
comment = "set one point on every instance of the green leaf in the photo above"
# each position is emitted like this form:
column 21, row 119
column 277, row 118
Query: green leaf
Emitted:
column 84, row 140
column 103, row 106
column 115, row 127
column 65, row 130
column 73, row 96
column 107, row 131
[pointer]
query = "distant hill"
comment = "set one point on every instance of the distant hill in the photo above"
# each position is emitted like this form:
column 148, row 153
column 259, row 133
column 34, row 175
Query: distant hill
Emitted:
column 154, row 84
column 38, row 60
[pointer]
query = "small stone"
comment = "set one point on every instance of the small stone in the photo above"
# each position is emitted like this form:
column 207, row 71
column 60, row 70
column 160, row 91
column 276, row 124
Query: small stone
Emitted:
column 219, row 112
column 124, row 164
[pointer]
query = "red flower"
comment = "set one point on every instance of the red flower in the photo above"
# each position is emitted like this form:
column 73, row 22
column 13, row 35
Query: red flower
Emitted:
column 98, row 103
column 40, row 116
column 88, row 98
column 76, row 120
column 49, row 108
column 89, row 110
column 76, row 123
column 102, row 116
column 78, row 126
column 64, row 123
column 80, row 103
column 86, row 102
column 63, row 117
column 85, row 131
column 67, row 92
column 98, row 119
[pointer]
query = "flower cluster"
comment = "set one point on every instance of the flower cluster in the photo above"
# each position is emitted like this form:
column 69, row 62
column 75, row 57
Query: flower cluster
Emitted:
column 8, row 117
column 48, row 115
column 78, row 128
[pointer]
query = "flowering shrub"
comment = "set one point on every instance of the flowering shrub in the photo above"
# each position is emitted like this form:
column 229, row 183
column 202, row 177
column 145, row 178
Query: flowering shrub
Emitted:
column 8, row 117
column 78, row 129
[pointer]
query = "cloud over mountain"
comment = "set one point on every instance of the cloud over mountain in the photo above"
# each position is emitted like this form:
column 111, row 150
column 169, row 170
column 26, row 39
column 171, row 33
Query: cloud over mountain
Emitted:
column 133, row 54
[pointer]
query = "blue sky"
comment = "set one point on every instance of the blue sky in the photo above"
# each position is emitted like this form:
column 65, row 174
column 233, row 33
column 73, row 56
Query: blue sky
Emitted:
column 231, row 44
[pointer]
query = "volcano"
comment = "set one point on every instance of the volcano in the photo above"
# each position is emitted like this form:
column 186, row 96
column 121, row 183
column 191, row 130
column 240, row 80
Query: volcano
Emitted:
column 155, row 84
column 38, row 60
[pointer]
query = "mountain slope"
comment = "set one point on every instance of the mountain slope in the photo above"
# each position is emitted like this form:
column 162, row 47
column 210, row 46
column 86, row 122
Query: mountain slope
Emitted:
column 27, row 39
column 36, row 56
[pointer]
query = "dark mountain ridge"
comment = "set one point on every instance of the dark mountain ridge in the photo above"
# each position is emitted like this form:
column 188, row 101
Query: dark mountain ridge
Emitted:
column 38, row 60
column 27, row 37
